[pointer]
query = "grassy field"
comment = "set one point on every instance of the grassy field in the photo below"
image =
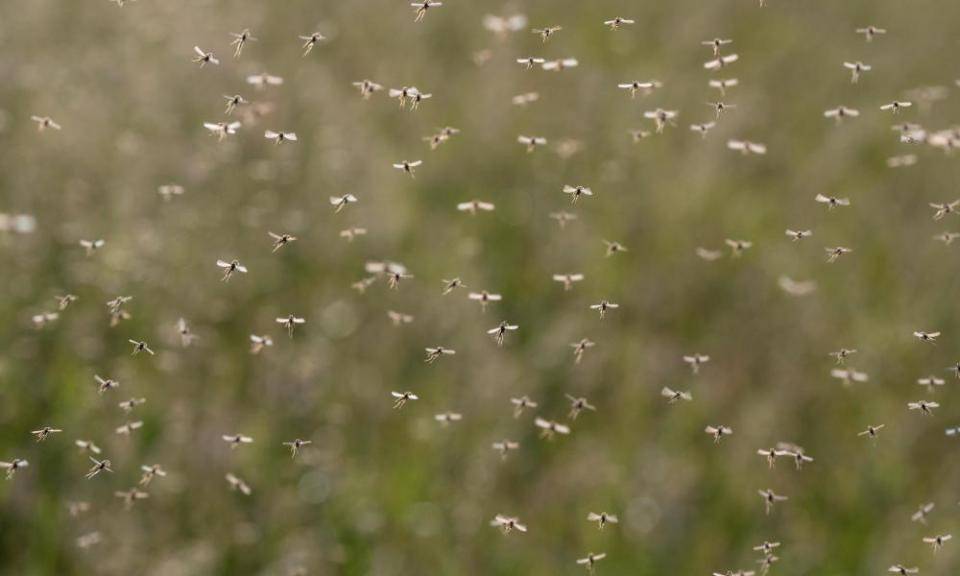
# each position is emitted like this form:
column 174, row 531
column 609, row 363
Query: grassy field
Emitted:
column 384, row 491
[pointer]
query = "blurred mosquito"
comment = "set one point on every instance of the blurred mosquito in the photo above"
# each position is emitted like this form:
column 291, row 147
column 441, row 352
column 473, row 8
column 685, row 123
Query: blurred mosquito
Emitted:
column 504, row 447
column 236, row 440
column 531, row 142
column 931, row 382
column 840, row 113
column 896, row 106
column 521, row 404
column 721, row 62
column 103, row 385
column 832, row 201
column 673, row 395
column 44, row 122
column 834, row 253
column 945, row 209
column 579, row 348
column 549, row 429
column 507, row 524
column 770, row 498
column 87, row 446
column 737, row 247
column 238, row 484
column 590, row 560
column 703, row 129
column 568, row 280
column 529, row 62
column 870, row 32
column 91, row 246
column 168, row 191
column 280, row 137
column 602, row 519
column 341, row 201
column 258, row 343
column 128, row 428
column 562, row 218
column 351, row 233
column 614, row 248
column 128, row 405
column 446, row 418
column 474, row 205
column 367, row 88
column 661, row 118
column 696, row 361
column 722, row 85
column 151, row 472
column 849, row 375
column 578, row 405
column 130, row 497
column 746, row 147
column 922, row 512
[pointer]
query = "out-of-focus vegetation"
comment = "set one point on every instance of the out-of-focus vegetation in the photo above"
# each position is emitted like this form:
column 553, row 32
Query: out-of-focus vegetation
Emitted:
column 391, row 492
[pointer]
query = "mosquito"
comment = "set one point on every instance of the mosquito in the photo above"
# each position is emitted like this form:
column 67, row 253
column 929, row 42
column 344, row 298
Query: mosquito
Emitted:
column 296, row 445
column 311, row 40
column 842, row 354
column 603, row 307
column 873, row 432
column 646, row 88
column 408, row 167
column 925, row 407
column 737, row 247
column 501, row 330
column 103, row 385
column 43, row 433
column 14, row 465
column 896, row 106
column 834, row 253
column 856, row 69
column 422, row 6
column 87, row 446
column 236, row 440
column 204, row 58
column 718, row 432
column 98, row 466
column 832, row 201
column 662, row 118
column 130, row 497
column 945, row 209
column 547, row 33
column 578, row 405
column 617, row 22
column 937, row 541
column 240, row 40
column 290, row 322
column 562, row 218
column 280, row 137
column 590, row 560
column 703, row 129
column 434, row 354
column 716, row 44
column 722, row 85
column 401, row 398
column 927, row 336
column 351, row 233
